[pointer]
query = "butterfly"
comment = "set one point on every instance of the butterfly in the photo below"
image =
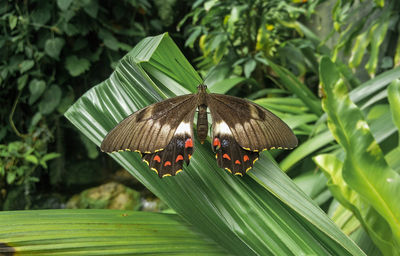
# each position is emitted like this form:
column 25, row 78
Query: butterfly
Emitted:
column 163, row 132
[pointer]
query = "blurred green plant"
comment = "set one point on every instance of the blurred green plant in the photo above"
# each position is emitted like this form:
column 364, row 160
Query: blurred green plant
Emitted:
column 50, row 53
column 368, row 34
column 240, row 33
column 368, row 198
column 361, row 176
column 19, row 162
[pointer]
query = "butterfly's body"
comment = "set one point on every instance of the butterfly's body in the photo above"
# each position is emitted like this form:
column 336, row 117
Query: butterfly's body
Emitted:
column 163, row 132
column 202, row 123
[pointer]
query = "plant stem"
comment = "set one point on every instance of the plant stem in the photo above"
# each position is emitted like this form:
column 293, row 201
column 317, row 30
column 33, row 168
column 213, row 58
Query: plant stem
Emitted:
column 12, row 114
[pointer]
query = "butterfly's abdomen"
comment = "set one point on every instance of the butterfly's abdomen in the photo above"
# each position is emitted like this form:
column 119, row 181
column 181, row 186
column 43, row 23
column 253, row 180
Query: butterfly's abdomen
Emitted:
column 202, row 123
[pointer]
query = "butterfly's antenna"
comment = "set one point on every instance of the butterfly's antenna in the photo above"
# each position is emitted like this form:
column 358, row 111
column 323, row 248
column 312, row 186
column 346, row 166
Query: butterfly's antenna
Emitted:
column 184, row 68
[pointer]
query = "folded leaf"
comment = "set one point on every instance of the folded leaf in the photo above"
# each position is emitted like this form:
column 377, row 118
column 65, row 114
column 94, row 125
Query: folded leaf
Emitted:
column 99, row 232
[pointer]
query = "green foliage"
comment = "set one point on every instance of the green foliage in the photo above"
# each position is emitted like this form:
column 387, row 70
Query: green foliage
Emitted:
column 20, row 161
column 369, row 36
column 358, row 183
column 262, row 213
column 242, row 34
column 361, row 171
column 51, row 52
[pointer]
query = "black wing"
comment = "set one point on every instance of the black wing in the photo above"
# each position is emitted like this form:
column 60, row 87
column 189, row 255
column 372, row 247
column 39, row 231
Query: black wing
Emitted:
column 241, row 129
column 150, row 129
column 161, row 132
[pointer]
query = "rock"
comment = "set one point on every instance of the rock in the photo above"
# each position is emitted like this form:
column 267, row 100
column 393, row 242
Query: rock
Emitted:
column 150, row 204
column 111, row 195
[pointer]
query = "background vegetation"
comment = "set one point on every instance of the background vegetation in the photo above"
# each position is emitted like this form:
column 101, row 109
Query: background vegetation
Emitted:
column 328, row 68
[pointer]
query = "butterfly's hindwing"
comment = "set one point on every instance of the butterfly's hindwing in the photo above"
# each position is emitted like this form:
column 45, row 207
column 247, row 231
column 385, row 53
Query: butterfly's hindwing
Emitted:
column 231, row 156
column 253, row 127
column 169, row 161
column 151, row 129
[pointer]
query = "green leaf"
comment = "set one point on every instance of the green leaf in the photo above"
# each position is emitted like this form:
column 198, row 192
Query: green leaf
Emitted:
column 48, row 157
column 41, row 14
column 314, row 185
column 377, row 34
column 312, row 145
column 21, row 81
column 249, row 67
column 396, row 58
column 372, row 86
column 359, row 49
column 64, row 4
column 36, row 88
column 53, row 47
column 92, row 8
column 225, row 85
column 25, row 66
column 76, row 66
column 380, row 3
column 328, row 71
column 35, row 119
column 262, row 213
column 31, row 158
column 100, row 232
column 11, row 176
column 195, row 33
column 109, row 40
column 12, row 21
column 394, row 100
column 363, row 156
column 50, row 100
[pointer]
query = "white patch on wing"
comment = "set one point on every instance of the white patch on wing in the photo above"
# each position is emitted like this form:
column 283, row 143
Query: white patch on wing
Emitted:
column 157, row 126
column 222, row 128
column 183, row 128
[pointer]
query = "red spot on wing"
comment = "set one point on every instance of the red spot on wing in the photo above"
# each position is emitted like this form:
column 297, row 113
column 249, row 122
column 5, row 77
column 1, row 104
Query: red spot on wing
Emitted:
column 179, row 157
column 190, row 156
column 157, row 158
column 226, row 156
column 167, row 163
column 217, row 143
column 189, row 143
column 237, row 162
column 246, row 158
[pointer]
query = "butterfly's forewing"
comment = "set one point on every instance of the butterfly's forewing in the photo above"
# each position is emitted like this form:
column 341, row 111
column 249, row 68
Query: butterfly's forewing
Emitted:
column 253, row 127
column 241, row 129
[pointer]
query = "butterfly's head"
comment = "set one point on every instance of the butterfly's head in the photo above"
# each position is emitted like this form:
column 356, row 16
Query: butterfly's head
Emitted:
column 202, row 88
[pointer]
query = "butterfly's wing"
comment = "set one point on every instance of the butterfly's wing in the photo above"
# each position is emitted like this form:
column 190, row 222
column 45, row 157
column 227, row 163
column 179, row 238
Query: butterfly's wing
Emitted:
column 241, row 129
column 161, row 132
